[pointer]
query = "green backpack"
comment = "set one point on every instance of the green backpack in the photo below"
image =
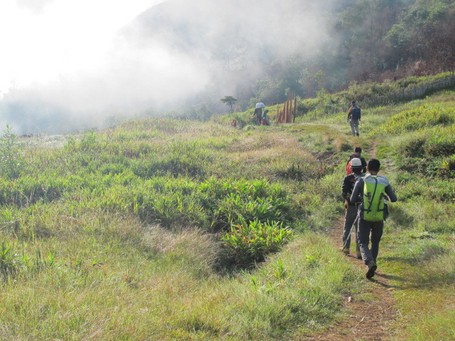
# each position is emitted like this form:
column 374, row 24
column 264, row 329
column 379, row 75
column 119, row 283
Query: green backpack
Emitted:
column 373, row 197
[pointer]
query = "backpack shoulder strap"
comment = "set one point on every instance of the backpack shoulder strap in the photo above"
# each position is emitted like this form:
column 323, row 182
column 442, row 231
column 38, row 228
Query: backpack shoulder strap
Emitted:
column 370, row 199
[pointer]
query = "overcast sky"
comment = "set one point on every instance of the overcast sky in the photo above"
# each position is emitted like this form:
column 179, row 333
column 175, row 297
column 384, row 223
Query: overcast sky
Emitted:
column 44, row 40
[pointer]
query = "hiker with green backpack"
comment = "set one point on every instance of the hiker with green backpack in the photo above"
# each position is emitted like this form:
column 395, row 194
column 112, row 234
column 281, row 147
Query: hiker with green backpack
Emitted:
column 370, row 192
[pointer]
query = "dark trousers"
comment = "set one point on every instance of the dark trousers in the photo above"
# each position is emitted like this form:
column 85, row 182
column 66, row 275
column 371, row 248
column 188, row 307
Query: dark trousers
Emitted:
column 354, row 127
column 370, row 231
column 349, row 217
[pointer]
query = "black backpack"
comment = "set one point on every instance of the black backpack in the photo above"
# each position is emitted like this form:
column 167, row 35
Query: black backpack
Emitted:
column 355, row 113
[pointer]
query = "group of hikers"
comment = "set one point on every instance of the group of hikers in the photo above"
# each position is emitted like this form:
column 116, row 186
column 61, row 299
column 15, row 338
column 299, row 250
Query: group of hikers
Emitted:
column 354, row 116
column 364, row 193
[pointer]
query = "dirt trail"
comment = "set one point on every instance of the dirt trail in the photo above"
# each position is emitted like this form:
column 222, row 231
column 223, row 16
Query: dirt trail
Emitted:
column 367, row 320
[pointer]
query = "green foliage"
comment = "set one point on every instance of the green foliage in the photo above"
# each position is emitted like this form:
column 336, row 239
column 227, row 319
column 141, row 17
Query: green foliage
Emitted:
column 429, row 22
column 419, row 118
column 373, row 94
column 29, row 189
column 141, row 218
column 11, row 158
column 8, row 267
column 213, row 204
column 251, row 242
column 182, row 159
column 429, row 152
column 247, row 201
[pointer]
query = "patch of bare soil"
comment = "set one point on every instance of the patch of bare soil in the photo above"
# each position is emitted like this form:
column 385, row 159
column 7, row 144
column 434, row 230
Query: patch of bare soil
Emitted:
column 366, row 320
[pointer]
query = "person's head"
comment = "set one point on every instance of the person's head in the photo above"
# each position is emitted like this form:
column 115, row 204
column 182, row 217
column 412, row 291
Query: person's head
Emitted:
column 353, row 103
column 358, row 150
column 373, row 166
column 356, row 165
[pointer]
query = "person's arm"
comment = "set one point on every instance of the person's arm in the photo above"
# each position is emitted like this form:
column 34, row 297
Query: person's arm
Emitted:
column 360, row 113
column 345, row 188
column 391, row 193
column 356, row 192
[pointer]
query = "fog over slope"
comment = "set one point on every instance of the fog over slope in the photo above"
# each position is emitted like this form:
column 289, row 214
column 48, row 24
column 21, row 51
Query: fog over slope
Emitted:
column 229, row 41
column 175, row 54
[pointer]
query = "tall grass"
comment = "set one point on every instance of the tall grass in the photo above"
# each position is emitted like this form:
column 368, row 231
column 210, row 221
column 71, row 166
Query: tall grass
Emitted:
column 143, row 231
column 171, row 229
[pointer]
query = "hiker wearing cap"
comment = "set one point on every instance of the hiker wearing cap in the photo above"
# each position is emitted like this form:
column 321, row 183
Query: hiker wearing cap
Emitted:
column 357, row 154
column 350, row 209
column 370, row 192
column 354, row 115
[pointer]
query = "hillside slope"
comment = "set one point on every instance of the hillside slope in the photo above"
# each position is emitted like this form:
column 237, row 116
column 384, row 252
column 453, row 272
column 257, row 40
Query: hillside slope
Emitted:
column 178, row 229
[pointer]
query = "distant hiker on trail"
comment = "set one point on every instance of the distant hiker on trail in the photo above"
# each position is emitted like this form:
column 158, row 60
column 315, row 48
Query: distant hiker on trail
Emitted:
column 357, row 154
column 354, row 115
column 351, row 223
column 258, row 112
column 370, row 192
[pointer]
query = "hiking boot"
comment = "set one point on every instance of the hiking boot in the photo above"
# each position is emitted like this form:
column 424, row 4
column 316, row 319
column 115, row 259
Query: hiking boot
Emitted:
column 371, row 269
column 359, row 255
column 345, row 251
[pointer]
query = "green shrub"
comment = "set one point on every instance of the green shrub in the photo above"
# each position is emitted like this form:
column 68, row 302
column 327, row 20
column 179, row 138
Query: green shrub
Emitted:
column 441, row 142
column 251, row 242
column 233, row 202
column 413, row 147
column 418, row 118
column 8, row 261
column 234, row 209
column 429, row 152
column 11, row 155
column 30, row 189
column 172, row 209
column 447, row 167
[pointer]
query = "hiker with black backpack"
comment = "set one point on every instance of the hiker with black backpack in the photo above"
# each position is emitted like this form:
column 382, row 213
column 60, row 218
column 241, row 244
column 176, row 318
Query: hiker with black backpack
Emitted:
column 357, row 154
column 350, row 209
column 370, row 192
column 354, row 115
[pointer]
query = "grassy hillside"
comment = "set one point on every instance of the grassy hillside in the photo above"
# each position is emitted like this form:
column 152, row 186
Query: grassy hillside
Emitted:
column 173, row 229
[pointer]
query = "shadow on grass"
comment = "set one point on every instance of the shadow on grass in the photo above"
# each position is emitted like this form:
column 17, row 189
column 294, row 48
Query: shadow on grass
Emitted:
column 392, row 277
column 413, row 276
column 382, row 283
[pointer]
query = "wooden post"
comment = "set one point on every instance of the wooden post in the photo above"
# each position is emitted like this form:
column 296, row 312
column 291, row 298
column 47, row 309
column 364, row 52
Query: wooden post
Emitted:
column 295, row 109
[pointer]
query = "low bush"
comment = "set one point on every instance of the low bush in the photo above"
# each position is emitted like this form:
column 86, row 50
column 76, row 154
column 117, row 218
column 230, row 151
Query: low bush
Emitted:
column 251, row 242
column 429, row 152
column 421, row 117
column 8, row 261
column 11, row 155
